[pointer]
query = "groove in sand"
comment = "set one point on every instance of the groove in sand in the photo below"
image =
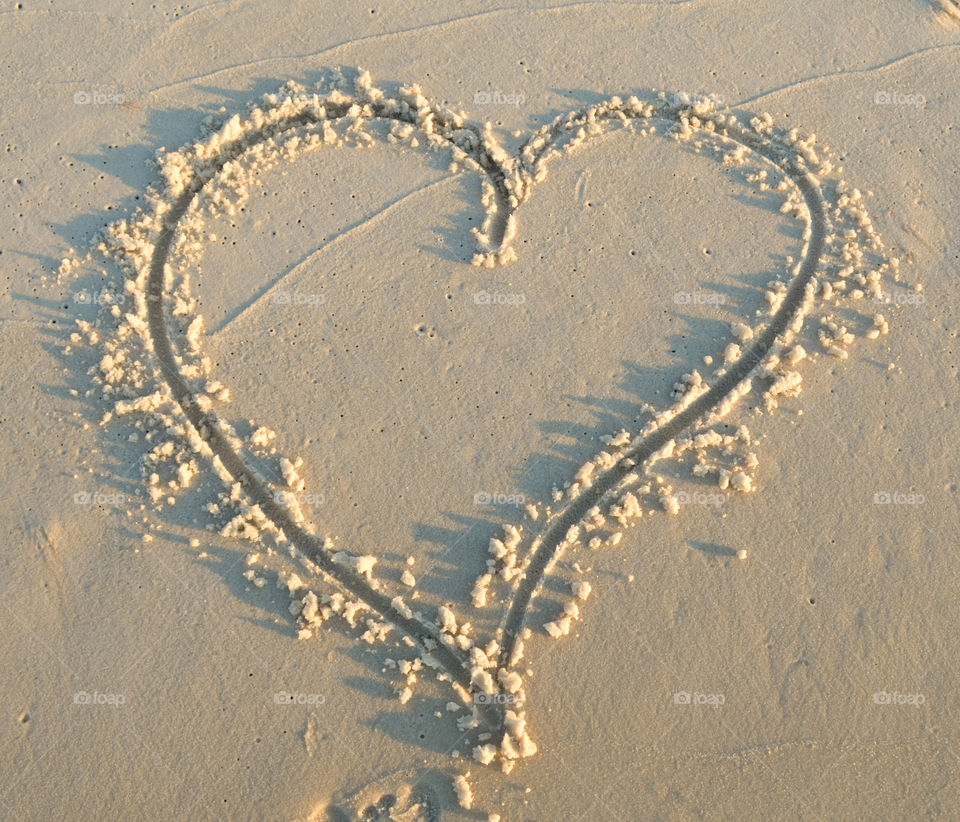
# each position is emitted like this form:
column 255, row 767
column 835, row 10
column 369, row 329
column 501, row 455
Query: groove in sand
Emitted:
column 509, row 180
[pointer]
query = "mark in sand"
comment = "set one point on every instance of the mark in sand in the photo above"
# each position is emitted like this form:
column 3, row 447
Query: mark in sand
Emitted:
column 152, row 364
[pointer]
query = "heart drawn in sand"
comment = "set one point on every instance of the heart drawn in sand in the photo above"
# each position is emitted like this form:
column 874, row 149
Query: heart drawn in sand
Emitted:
column 208, row 175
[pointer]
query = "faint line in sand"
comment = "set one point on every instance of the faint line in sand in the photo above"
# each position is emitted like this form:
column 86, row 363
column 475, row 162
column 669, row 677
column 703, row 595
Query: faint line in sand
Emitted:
column 371, row 219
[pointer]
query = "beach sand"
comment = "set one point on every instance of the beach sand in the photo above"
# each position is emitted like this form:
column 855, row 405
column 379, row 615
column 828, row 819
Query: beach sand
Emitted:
column 416, row 336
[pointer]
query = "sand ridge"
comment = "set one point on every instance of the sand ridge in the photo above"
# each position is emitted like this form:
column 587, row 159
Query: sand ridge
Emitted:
column 153, row 364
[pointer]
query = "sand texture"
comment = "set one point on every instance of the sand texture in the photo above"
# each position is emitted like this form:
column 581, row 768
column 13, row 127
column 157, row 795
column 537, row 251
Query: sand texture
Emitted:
column 539, row 412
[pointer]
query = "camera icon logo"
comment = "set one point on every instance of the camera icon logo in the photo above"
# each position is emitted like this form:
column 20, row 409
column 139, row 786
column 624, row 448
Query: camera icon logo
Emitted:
column 881, row 498
column 82, row 98
column 282, row 298
column 681, row 698
column 482, row 698
column 482, row 98
column 481, row 498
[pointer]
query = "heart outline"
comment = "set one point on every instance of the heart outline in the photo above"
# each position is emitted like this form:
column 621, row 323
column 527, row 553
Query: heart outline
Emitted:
column 511, row 188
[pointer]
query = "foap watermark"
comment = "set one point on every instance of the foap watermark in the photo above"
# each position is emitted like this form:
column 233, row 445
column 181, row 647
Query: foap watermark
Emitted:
column 493, row 498
column 697, row 698
column 495, row 699
column 98, row 98
column 898, row 498
column 698, row 298
column 296, row 698
column 99, row 297
column 897, row 698
column 498, row 98
column 686, row 98
column 97, row 498
column 895, row 98
column 301, row 498
column 498, row 298
column 298, row 298
column 899, row 298
column 700, row 498
column 97, row 698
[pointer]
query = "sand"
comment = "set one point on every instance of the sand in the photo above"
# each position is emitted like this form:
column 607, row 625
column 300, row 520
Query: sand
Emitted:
column 477, row 412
